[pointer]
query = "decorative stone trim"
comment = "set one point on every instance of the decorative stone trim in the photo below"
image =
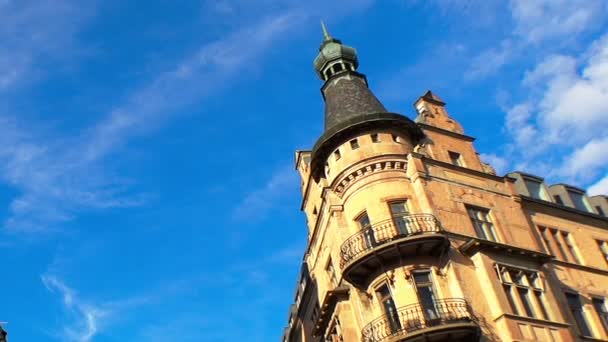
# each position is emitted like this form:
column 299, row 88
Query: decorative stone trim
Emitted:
column 346, row 180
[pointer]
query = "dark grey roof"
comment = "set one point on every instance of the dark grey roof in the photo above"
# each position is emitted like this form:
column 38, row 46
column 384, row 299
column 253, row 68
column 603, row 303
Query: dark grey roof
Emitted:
column 347, row 96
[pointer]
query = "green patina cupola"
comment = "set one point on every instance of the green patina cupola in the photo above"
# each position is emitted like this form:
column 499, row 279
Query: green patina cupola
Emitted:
column 334, row 57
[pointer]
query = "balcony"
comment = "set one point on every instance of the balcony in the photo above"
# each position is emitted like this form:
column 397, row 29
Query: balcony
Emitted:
column 389, row 243
column 441, row 320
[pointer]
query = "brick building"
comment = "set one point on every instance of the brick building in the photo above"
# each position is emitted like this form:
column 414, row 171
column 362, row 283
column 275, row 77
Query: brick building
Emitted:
column 411, row 237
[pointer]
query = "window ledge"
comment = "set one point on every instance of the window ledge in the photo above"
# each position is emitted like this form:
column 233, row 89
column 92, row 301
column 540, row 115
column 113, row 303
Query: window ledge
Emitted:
column 532, row 320
column 580, row 267
column 475, row 245
column 591, row 338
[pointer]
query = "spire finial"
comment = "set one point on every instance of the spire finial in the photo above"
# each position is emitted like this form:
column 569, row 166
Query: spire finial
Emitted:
column 325, row 32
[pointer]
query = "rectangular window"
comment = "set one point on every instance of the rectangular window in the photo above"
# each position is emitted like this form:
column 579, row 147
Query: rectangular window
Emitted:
column 525, row 301
column 572, row 253
column 558, row 199
column 599, row 210
column 400, row 220
column 524, row 291
column 601, row 309
column 426, row 294
column 576, row 309
column 560, row 244
column 388, row 305
column 544, row 233
column 354, row 144
column 579, row 200
column 375, row 138
column 603, row 246
column 535, row 189
column 484, row 228
column 455, row 158
column 332, row 272
column 368, row 232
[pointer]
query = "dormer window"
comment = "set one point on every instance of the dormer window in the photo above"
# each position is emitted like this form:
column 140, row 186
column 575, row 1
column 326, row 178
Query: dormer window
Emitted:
column 579, row 201
column 535, row 189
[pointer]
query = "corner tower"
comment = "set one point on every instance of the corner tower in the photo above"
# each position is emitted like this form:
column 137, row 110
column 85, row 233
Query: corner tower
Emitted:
column 371, row 226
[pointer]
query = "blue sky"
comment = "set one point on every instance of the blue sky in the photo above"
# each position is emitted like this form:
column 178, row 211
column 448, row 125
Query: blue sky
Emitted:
column 147, row 187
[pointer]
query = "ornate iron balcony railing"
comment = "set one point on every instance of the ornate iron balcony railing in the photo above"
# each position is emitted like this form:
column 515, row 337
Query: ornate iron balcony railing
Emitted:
column 385, row 231
column 414, row 318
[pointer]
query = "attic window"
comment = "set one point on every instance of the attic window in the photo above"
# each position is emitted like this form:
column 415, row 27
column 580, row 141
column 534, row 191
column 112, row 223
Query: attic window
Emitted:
column 354, row 144
column 375, row 138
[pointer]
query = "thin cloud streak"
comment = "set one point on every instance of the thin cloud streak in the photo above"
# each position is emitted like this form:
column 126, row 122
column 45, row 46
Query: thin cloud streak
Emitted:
column 57, row 178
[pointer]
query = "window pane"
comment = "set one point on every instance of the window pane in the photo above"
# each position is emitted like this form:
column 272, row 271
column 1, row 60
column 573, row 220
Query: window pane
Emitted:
column 509, row 296
column 600, row 308
column 535, row 189
column 576, row 308
column 573, row 255
column 579, row 201
column 482, row 223
column 363, row 220
column 541, row 304
column 422, row 277
column 399, row 207
column 525, row 301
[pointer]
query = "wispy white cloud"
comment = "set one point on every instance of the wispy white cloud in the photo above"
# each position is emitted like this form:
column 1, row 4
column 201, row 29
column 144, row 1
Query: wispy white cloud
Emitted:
column 55, row 177
column 85, row 318
column 259, row 201
column 35, row 30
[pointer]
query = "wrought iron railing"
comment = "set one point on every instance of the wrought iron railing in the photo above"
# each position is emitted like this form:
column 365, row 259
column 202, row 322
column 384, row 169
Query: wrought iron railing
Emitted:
column 396, row 227
column 411, row 318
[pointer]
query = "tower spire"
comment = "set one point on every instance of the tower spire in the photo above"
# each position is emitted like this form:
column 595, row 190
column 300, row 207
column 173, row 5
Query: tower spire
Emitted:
column 325, row 31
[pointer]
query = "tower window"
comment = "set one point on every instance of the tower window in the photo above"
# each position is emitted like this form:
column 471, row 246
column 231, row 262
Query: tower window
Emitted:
column 337, row 154
column 354, row 144
column 396, row 138
column 375, row 138
column 337, row 67
column 455, row 158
